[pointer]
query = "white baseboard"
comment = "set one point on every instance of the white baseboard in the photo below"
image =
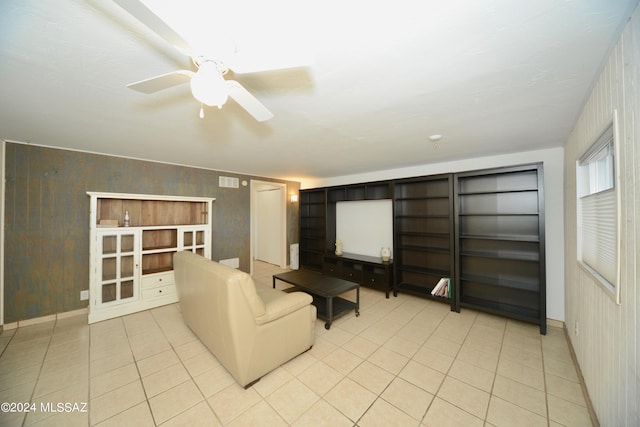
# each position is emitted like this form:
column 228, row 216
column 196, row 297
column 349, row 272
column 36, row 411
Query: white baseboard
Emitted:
column 555, row 323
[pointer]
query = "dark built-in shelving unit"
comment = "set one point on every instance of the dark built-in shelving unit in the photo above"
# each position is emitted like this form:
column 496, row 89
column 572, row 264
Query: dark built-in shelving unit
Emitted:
column 366, row 270
column 313, row 218
column 500, row 233
column 369, row 191
column 423, row 235
column 483, row 229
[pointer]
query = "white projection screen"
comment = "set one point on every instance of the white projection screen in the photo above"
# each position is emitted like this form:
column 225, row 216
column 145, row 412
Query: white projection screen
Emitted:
column 365, row 226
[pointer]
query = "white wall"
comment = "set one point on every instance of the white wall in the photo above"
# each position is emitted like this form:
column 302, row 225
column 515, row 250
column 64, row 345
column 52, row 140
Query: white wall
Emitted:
column 365, row 226
column 607, row 345
column 553, row 191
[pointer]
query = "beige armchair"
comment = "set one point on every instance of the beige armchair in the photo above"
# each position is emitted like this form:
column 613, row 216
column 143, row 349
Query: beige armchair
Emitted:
column 250, row 330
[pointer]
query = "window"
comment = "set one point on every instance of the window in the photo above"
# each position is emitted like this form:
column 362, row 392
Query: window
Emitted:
column 598, row 211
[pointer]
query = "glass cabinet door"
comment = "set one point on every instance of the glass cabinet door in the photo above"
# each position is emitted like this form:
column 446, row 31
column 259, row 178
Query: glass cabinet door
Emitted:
column 117, row 266
column 193, row 240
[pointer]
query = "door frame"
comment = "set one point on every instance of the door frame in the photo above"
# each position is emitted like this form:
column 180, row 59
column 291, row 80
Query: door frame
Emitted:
column 256, row 186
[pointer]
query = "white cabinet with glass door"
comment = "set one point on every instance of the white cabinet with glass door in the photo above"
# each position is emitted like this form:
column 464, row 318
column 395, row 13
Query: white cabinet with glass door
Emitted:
column 116, row 268
column 193, row 239
column 132, row 266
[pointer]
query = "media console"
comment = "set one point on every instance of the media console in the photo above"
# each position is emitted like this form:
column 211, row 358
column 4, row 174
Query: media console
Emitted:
column 365, row 270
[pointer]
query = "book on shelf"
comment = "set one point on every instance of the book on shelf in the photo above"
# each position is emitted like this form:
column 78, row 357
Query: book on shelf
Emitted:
column 442, row 288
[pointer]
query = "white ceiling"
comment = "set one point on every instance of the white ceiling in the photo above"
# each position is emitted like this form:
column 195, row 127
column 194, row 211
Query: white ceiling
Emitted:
column 492, row 76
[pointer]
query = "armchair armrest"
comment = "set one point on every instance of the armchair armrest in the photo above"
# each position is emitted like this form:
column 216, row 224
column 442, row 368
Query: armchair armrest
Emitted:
column 279, row 304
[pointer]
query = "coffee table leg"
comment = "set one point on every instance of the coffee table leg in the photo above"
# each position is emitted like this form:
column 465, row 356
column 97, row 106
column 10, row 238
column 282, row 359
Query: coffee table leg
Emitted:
column 327, row 324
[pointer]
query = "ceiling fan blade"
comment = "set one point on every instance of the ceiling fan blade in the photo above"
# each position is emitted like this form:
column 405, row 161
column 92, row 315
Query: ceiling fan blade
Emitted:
column 155, row 84
column 252, row 62
column 143, row 14
column 247, row 101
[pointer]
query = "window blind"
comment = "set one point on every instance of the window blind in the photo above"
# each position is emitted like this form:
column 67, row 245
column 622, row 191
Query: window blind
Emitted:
column 598, row 208
column 599, row 232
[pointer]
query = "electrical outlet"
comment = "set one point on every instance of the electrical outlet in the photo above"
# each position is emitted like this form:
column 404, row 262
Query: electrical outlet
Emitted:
column 575, row 329
column 84, row 295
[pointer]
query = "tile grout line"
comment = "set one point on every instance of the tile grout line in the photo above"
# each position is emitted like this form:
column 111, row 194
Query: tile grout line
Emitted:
column 495, row 374
column 395, row 376
column 135, row 360
column 449, row 370
column 191, row 378
column 347, row 376
column 544, row 379
column 121, row 321
column 35, row 385
column 435, row 395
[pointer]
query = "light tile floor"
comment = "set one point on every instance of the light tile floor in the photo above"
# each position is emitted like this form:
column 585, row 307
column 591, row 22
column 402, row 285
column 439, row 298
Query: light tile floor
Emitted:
column 404, row 361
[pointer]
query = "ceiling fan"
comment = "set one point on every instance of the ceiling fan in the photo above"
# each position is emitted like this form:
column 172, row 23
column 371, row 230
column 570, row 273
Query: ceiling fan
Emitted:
column 208, row 84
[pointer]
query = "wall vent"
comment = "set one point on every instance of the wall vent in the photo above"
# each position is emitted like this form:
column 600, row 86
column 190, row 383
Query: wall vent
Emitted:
column 231, row 262
column 228, row 182
column 294, row 256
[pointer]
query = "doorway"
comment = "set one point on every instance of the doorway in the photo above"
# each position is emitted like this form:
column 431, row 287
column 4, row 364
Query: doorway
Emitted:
column 268, row 223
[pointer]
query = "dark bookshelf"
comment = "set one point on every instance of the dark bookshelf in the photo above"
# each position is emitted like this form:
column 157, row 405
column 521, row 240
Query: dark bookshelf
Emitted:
column 423, row 235
column 499, row 217
column 313, row 217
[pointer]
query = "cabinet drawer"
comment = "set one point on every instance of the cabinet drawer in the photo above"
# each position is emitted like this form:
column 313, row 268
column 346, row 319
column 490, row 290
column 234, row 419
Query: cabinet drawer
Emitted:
column 373, row 280
column 330, row 269
column 160, row 291
column 159, row 279
column 351, row 274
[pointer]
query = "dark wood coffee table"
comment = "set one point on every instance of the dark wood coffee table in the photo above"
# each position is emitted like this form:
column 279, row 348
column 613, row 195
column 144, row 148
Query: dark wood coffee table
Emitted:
column 324, row 290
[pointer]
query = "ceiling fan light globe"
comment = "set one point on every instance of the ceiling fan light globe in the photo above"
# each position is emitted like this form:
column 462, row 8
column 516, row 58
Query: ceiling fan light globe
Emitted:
column 208, row 86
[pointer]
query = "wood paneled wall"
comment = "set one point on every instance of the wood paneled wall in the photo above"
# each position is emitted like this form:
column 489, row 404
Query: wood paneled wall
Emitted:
column 607, row 344
column 47, row 219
